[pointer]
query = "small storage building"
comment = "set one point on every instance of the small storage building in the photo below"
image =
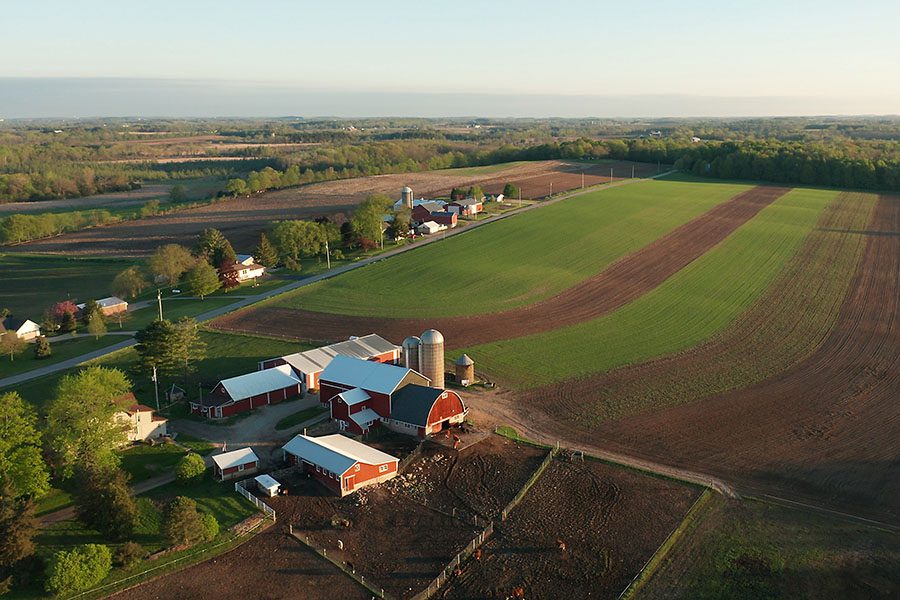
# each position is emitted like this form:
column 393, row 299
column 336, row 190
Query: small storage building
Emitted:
column 267, row 485
column 108, row 306
column 237, row 463
column 465, row 370
column 429, row 228
column 339, row 463
column 246, row 392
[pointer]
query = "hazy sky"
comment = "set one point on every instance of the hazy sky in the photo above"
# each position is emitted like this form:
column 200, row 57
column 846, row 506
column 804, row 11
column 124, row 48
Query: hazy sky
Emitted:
column 649, row 58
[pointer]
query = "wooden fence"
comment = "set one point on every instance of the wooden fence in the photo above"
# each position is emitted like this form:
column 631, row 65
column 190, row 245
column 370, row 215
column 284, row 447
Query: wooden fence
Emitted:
column 360, row 579
column 265, row 508
column 438, row 582
column 531, row 481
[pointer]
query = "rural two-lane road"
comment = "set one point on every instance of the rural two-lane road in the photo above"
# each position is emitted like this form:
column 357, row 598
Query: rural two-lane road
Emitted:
column 248, row 300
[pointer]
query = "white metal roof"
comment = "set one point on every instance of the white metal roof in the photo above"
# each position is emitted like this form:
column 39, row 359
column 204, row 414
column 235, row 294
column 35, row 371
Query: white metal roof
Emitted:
column 111, row 301
column 315, row 360
column 245, row 259
column 335, row 453
column 372, row 376
column 267, row 482
column 235, row 458
column 365, row 417
column 354, row 396
column 260, row 382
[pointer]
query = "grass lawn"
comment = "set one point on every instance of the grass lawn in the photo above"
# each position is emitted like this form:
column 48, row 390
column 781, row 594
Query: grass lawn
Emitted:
column 31, row 282
column 516, row 261
column 754, row 550
column 143, row 461
column 63, row 348
column 298, row 417
column 219, row 499
column 201, row 447
column 691, row 306
column 174, row 310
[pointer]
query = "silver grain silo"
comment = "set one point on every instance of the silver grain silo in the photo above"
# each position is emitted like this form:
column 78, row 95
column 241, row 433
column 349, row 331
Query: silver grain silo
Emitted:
column 411, row 353
column 431, row 357
column 406, row 196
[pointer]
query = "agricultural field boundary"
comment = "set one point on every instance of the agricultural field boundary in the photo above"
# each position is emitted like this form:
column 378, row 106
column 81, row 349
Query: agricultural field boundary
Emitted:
column 653, row 563
column 438, row 582
column 182, row 562
column 528, row 484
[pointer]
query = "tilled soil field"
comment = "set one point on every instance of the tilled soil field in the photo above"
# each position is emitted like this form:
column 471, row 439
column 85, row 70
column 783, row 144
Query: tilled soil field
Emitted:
column 622, row 282
column 609, row 519
column 825, row 430
column 242, row 219
column 268, row 567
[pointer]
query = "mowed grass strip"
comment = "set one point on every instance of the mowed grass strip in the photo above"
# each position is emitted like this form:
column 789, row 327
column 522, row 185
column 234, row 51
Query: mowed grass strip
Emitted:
column 788, row 323
column 517, row 261
column 690, row 307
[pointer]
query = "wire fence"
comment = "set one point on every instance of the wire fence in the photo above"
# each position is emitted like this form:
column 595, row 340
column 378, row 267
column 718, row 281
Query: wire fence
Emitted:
column 531, row 481
column 438, row 582
column 347, row 569
column 239, row 487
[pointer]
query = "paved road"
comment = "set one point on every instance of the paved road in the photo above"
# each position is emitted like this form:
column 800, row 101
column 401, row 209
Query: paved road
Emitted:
column 246, row 301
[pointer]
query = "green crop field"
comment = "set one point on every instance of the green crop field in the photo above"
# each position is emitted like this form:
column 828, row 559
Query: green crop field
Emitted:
column 63, row 348
column 751, row 550
column 31, row 283
column 691, row 306
column 517, row 261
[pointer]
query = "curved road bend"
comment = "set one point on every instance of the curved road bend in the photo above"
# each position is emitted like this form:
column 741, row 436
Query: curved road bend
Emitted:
column 248, row 300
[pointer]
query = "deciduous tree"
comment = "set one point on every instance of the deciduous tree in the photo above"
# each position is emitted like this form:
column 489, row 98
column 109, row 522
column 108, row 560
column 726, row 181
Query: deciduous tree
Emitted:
column 129, row 283
column 18, row 526
column 182, row 523
column 42, row 348
column 169, row 262
column 202, row 279
column 190, row 467
column 103, row 501
column 78, row 569
column 11, row 345
column 21, row 460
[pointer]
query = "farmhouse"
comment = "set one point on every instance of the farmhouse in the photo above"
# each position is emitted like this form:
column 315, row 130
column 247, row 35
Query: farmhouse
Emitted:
column 246, row 392
column 339, row 463
column 466, row 207
column 244, row 268
column 142, row 424
column 108, row 306
column 363, row 395
column 236, row 463
column 24, row 329
column 310, row 364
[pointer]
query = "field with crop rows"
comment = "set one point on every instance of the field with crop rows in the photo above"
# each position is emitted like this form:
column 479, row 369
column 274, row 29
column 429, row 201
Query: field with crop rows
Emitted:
column 690, row 307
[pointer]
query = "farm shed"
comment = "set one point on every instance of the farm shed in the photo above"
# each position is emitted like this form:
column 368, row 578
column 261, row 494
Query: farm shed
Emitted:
column 310, row 364
column 236, row 463
column 267, row 485
column 466, row 207
column 108, row 306
column 429, row 227
column 446, row 219
column 24, row 329
column 425, row 410
column 246, row 392
column 141, row 423
column 339, row 463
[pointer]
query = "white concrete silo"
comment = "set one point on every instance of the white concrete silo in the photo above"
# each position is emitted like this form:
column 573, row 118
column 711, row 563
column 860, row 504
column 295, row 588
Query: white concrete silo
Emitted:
column 431, row 357
column 411, row 353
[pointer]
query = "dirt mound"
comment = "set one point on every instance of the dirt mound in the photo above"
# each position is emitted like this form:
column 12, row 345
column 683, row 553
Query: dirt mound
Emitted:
column 625, row 280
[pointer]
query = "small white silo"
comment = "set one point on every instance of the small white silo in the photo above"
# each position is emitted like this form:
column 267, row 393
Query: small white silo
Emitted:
column 431, row 357
column 411, row 353
column 406, row 196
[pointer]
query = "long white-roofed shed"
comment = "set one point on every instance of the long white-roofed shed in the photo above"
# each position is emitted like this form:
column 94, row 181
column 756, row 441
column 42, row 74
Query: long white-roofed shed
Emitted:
column 249, row 391
column 341, row 464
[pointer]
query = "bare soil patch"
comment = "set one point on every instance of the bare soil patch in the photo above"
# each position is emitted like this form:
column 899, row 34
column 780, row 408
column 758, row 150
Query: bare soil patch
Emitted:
column 242, row 219
column 611, row 521
column 270, row 566
column 623, row 281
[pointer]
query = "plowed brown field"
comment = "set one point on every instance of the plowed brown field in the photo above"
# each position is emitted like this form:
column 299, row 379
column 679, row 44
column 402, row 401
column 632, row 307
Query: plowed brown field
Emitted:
column 826, row 430
column 625, row 280
column 242, row 219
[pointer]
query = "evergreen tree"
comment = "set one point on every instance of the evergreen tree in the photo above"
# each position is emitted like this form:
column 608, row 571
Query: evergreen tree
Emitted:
column 182, row 522
column 18, row 526
column 265, row 253
column 103, row 501
column 42, row 348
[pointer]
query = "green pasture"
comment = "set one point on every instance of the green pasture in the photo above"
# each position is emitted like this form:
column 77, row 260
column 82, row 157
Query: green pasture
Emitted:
column 691, row 306
column 30, row 283
column 517, row 261
column 63, row 348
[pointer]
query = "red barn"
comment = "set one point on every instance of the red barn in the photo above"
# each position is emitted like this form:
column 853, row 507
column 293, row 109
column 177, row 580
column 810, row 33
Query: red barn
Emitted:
column 236, row 463
column 339, row 463
column 310, row 364
column 246, row 392
column 363, row 395
column 447, row 219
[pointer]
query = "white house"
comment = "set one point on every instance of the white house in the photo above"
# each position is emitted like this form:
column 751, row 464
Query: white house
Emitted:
column 429, row 227
column 24, row 329
column 142, row 424
column 246, row 268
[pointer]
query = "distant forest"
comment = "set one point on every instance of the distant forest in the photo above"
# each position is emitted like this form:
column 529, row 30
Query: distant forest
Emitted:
column 41, row 160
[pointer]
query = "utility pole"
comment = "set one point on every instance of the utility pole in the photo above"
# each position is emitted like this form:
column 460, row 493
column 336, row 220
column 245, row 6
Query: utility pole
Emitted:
column 159, row 301
column 582, row 180
column 610, row 174
column 632, row 171
column 551, row 188
column 327, row 254
column 156, row 387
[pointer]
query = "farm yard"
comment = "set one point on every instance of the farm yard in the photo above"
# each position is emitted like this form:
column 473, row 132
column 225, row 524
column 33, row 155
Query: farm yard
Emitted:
column 610, row 521
column 242, row 219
